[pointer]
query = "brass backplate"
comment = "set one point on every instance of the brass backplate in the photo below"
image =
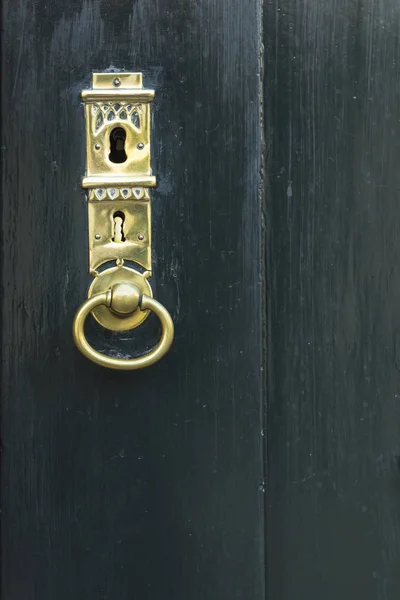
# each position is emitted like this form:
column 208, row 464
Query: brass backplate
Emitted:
column 117, row 101
column 134, row 205
column 118, row 173
column 104, row 282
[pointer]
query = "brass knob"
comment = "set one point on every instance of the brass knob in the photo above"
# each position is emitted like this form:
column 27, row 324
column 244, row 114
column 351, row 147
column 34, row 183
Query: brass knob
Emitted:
column 123, row 299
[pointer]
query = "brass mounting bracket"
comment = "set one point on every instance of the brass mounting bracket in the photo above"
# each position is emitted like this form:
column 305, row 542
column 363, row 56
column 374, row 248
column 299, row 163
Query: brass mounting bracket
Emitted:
column 118, row 175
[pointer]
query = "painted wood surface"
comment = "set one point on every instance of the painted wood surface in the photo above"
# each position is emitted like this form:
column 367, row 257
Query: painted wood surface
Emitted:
column 153, row 484
column 147, row 484
column 332, row 83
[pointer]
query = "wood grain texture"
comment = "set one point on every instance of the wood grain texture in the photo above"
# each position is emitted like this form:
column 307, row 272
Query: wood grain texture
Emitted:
column 333, row 212
column 147, row 484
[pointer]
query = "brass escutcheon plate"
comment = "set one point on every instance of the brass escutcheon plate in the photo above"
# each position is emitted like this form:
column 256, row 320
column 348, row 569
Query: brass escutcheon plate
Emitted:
column 135, row 206
column 118, row 172
column 103, row 282
column 108, row 108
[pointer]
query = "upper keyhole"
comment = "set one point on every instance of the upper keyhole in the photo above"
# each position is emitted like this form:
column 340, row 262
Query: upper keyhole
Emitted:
column 117, row 145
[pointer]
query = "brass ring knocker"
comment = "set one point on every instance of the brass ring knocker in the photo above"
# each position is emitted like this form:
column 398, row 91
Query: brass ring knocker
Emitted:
column 118, row 178
column 123, row 298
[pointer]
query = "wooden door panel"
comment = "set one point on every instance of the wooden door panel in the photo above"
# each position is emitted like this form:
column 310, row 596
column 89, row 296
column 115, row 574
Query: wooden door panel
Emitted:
column 144, row 484
column 332, row 88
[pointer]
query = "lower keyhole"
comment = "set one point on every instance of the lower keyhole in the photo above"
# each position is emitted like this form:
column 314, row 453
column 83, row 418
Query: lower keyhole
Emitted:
column 118, row 219
column 117, row 145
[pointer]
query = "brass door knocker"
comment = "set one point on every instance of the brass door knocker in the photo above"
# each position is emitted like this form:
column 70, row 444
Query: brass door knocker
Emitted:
column 118, row 177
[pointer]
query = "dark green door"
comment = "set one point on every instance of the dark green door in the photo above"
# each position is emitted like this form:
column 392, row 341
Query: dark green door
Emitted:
column 145, row 484
column 332, row 117
column 259, row 459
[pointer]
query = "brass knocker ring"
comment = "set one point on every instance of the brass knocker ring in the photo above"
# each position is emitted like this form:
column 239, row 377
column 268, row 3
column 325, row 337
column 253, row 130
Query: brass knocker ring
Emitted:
column 123, row 299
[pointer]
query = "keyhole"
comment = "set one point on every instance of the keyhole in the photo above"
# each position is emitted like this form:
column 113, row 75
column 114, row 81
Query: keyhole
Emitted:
column 117, row 145
column 119, row 219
